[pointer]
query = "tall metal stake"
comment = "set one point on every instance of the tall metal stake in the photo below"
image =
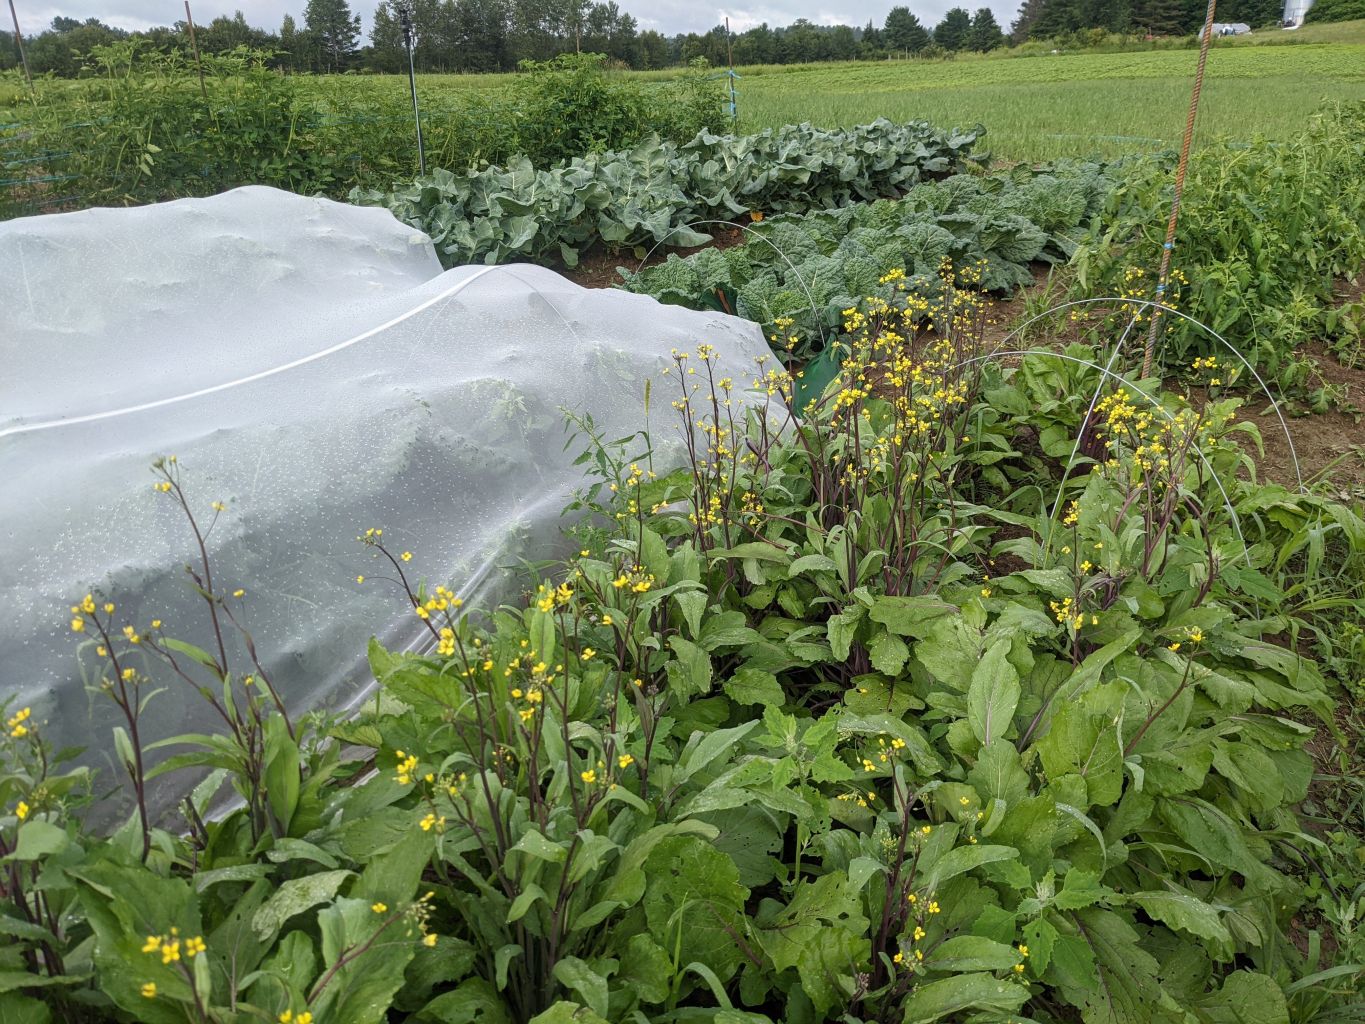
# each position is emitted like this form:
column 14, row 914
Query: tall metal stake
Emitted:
column 19, row 42
column 405, row 16
column 730, row 74
column 1164, row 272
column 194, row 45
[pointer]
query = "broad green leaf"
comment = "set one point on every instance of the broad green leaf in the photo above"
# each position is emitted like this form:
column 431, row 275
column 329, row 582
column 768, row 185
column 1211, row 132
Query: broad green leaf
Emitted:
column 690, row 674
column 962, row 859
column 1185, row 912
column 972, row 953
column 888, row 654
column 993, row 694
column 962, row 992
column 575, row 975
column 754, row 686
column 294, row 897
column 1245, row 998
column 38, row 839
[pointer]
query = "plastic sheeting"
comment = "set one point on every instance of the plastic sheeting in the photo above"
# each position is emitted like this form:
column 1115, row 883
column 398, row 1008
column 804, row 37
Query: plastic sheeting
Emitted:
column 311, row 366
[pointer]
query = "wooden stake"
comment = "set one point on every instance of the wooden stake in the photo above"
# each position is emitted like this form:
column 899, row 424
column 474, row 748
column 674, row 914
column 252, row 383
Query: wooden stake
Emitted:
column 19, row 42
column 194, row 45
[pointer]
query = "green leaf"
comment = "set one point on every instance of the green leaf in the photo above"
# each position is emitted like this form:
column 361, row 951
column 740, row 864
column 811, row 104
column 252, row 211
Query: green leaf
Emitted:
column 360, row 989
column 38, row 839
column 1185, row 912
column 822, row 934
column 909, row 616
column 961, row 992
column 690, row 674
column 575, row 975
column 534, row 844
column 972, row 953
column 963, row 859
column 993, row 694
column 754, row 686
column 567, row 1013
column 294, row 897
column 1245, row 998
column 646, row 969
column 694, row 903
column 888, row 654
column 474, row 1002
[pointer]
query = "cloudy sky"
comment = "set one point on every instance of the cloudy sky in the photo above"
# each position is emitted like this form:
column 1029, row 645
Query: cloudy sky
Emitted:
column 667, row 16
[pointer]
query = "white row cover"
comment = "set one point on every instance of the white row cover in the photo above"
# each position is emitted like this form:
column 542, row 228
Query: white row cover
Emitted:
column 311, row 366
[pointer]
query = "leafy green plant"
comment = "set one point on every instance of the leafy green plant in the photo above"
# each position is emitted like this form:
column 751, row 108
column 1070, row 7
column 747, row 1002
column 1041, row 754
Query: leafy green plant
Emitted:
column 1266, row 230
column 654, row 191
column 946, row 699
column 798, row 273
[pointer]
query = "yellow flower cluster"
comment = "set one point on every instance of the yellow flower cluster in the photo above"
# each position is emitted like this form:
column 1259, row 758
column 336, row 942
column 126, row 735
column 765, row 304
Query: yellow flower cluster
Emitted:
column 169, row 947
column 15, row 723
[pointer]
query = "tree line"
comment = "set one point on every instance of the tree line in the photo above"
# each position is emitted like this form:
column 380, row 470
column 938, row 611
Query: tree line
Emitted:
column 496, row 35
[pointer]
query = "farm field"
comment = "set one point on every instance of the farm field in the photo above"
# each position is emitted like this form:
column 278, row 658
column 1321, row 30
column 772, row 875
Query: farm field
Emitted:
column 1041, row 107
column 965, row 629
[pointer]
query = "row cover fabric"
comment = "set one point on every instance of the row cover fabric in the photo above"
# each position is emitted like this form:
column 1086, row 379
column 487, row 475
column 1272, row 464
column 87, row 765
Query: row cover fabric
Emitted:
column 310, row 365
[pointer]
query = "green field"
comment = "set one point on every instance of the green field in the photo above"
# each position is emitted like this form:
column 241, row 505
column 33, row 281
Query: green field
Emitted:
column 1049, row 106
column 1044, row 106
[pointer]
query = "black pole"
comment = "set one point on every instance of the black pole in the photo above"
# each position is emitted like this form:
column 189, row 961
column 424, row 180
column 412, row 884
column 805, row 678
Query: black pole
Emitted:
column 405, row 16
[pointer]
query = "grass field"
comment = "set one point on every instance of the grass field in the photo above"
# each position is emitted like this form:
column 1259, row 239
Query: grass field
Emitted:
column 1048, row 106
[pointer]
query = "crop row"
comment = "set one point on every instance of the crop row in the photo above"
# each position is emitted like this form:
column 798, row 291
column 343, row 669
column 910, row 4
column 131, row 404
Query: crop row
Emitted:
column 653, row 192
column 809, row 269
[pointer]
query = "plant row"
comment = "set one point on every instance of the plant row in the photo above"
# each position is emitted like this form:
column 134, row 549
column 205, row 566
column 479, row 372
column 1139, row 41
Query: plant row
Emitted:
column 879, row 716
column 655, row 191
column 140, row 129
column 1266, row 234
column 799, row 273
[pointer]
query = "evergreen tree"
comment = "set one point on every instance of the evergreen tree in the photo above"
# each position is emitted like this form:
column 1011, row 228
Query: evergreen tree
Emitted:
column 951, row 32
column 985, row 34
column 903, row 32
column 335, row 31
column 1022, row 27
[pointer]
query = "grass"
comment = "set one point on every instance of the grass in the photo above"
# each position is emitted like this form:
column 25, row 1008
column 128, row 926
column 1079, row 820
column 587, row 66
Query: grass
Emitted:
column 1044, row 107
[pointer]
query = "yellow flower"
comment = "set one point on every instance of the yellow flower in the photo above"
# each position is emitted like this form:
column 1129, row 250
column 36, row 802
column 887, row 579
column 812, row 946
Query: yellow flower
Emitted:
column 898, row 958
column 77, row 625
column 606, row 620
column 21, row 810
column 239, row 592
column 1196, row 635
column 379, row 908
column 625, row 761
column 588, row 652
column 149, row 990
column 1023, row 951
column 588, row 776
column 430, row 822
column 1018, row 968
column 194, row 946
column 152, row 945
column 406, row 556
column 304, row 1018
column 985, row 591
column 429, row 939
column 360, row 579
column 1173, row 647
column 933, row 906
column 964, row 801
column 170, row 951
column 156, row 623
